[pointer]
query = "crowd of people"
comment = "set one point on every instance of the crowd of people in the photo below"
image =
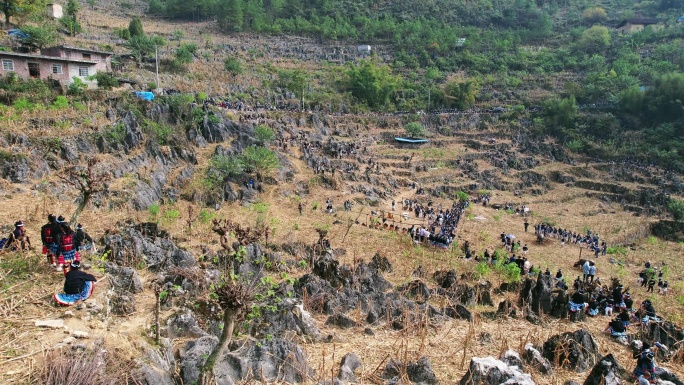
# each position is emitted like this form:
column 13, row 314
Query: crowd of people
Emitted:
column 591, row 240
column 62, row 247
column 441, row 227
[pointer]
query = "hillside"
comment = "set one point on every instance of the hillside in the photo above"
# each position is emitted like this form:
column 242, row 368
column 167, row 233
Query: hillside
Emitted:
column 259, row 123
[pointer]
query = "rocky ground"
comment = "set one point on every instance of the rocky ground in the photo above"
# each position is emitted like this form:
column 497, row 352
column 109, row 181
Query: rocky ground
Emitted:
column 373, row 307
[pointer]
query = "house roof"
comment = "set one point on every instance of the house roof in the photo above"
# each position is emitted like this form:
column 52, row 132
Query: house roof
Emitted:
column 638, row 21
column 44, row 57
column 71, row 48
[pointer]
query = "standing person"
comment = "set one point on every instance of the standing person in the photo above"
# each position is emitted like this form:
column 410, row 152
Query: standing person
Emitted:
column 48, row 233
column 665, row 285
column 393, row 203
column 79, row 237
column 585, row 270
column 300, row 208
column 651, row 284
column 78, row 286
column 592, row 271
column 66, row 252
column 526, row 224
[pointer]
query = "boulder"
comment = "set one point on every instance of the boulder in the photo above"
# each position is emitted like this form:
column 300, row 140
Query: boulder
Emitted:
column 572, row 350
column 607, row 372
column 458, row 311
column 666, row 375
column 511, row 358
column 350, row 363
column 124, row 279
column 157, row 251
column 183, row 325
column 415, row 289
column 490, row 371
column 506, row 309
column 380, row 263
column 270, row 360
column 445, row 279
column 420, row 371
column 290, row 317
column 538, row 294
column 193, row 356
column 341, row 321
column 534, row 358
column 122, row 304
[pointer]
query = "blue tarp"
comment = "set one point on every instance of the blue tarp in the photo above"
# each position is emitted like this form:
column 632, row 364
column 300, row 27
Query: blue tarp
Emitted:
column 411, row 140
column 16, row 32
column 149, row 96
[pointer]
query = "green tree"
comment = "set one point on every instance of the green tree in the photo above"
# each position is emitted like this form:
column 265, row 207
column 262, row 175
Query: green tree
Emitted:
column 594, row 14
column 414, row 130
column 16, row 8
column 676, row 208
column 460, row 93
column 105, row 80
column 135, row 27
column 230, row 15
column 594, row 40
column 371, row 83
column 143, row 45
column 38, row 36
column 232, row 66
column 295, row 81
column 263, row 135
column 70, row 19
column 561, row 112
column 184, row 55
column 260, row 160
column 228, row 165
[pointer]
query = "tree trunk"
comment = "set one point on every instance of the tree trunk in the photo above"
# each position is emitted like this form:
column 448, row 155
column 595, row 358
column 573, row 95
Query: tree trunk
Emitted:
column 79, row 209
column 206, row 375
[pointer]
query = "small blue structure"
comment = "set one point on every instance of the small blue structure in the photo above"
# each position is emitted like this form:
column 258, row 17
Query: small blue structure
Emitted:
column 681, row 19
column 149, row 96
column 411, row 140
column 16, row 32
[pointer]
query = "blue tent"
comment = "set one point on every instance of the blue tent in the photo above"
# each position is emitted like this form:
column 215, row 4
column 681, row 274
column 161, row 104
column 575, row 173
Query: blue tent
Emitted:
column 149, row 96
column 681, row 18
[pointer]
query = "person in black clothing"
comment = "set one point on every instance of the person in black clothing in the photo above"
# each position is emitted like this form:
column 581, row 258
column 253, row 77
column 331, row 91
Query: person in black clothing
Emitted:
column 81, row 236
column 526, row 224
column 615, row 327
column 48, row 235
column 78, row 286
column 651, row 284
column 18, row 240
column 300, row 207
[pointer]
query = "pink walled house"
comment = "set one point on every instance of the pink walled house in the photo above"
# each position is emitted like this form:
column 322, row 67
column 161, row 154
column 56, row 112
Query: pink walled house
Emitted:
column 61, row 63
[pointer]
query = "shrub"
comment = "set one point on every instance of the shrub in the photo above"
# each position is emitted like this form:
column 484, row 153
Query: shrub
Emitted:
column 105, row 80
column 60, row 103
column 414, row 130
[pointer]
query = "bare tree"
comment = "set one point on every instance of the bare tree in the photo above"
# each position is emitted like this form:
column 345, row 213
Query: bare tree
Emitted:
column 234, row 298
column 89, row 180
column 244, row 235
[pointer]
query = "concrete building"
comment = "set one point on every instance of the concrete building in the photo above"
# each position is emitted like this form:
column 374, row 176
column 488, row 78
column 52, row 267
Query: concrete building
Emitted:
column 59, row 63
column 54, row 11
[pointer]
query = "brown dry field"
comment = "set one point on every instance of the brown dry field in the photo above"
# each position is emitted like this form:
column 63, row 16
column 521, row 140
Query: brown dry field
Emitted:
column 449, row 346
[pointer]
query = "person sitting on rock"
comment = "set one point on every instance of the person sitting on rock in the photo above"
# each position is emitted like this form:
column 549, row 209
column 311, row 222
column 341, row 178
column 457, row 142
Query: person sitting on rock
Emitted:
column 78, row 286
column 559, row 276
column 577, row 301
column 624, row 317
column 18, row 239
column 616, row 328
column 609, row 307
column 593, row 307
column 82, row 240
column 647, row 312
column 645, row 368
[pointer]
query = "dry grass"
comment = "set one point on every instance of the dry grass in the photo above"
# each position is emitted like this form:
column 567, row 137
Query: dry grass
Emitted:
column 449, row 345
